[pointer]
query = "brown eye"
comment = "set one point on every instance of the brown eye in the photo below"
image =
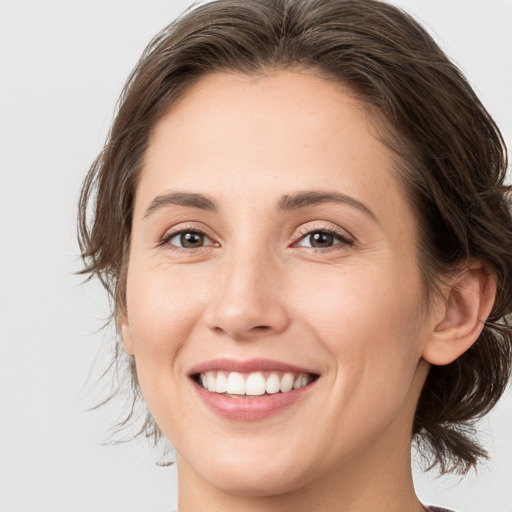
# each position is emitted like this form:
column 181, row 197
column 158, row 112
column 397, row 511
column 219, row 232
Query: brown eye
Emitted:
column 189, row 239
column 323, row 240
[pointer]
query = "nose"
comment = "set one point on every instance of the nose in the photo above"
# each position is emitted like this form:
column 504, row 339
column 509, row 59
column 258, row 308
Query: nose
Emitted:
column 248, row 303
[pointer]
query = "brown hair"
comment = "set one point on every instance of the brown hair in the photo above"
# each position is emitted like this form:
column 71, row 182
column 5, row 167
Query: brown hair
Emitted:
column 451, row 157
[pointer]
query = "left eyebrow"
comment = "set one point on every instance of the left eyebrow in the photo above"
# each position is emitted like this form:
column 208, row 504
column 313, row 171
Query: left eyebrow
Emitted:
column 314, row 197
column 189, row 199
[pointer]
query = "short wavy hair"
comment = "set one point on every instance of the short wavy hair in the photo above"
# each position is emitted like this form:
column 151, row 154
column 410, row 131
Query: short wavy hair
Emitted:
column 450, row 156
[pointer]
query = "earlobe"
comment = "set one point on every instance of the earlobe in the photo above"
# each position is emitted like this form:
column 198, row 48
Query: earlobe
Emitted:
column 126, row 337
column 462, row 314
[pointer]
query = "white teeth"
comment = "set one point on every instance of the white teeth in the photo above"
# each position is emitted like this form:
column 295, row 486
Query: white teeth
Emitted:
column 210, row 380
column 221, row 383
column 286, row 382
column 252, row 384
column 272, row 384
column 235, row 384
column 255, row 384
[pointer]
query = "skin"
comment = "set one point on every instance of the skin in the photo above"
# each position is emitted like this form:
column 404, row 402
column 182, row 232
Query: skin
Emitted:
column 353, row 312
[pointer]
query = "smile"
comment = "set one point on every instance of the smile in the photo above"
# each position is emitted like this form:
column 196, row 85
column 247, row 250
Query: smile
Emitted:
column 250, row 390
column 252, row 384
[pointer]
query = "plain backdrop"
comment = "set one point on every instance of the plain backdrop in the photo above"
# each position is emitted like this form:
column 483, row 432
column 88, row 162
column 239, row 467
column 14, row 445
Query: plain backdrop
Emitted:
column 62, row 66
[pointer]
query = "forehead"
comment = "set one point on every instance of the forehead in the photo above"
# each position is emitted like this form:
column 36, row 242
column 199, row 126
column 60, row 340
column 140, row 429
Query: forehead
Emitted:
column 297, row 111
column 259, row 138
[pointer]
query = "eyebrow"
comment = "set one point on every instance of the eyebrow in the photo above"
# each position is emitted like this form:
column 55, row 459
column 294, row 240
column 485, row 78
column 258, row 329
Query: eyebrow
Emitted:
column 189, row 199
column 287, row 202
column 314, row 197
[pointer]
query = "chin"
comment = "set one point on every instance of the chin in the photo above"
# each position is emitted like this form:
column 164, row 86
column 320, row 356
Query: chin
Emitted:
column 256, row 484
column 251, row 476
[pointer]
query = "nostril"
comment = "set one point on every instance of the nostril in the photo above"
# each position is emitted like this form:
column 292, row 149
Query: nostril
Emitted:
column 246, row 320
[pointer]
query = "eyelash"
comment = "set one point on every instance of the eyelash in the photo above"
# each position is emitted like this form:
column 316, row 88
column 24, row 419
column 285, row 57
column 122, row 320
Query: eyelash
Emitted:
column 165, row 241
column 344, row 240
column 342, row 237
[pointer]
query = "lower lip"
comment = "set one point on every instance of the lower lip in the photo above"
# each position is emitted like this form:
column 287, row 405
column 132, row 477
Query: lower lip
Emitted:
column 250, row 409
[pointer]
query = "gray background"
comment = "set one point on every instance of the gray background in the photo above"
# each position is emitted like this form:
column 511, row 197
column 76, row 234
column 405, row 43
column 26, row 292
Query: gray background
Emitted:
column 62, row 65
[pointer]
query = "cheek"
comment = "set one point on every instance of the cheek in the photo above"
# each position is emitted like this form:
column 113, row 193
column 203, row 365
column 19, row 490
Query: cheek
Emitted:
column 162, row 311
column 161, row 304
column 160, row 318
column 369, row 319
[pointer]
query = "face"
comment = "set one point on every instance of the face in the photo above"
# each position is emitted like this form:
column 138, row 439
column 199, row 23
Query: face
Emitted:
column 274, row 300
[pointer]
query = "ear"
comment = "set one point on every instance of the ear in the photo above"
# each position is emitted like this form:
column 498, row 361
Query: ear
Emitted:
column 461, row 315
column 124, row 331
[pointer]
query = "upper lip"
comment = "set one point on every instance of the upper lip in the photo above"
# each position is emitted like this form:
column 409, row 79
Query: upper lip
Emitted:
column 246, row 366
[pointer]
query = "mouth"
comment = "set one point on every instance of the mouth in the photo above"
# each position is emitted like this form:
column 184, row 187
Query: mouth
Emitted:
column 254, row 384
column 250, row 390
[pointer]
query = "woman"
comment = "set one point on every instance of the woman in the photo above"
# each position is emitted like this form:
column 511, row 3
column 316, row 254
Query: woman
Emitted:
column 301, row 215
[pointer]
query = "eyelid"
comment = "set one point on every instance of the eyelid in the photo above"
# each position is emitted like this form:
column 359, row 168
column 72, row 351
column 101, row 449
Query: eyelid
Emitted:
column 187, row 228
column 342, row 235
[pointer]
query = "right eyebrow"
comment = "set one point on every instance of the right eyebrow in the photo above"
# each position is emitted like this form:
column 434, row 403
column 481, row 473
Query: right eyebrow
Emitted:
column 189, row 199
